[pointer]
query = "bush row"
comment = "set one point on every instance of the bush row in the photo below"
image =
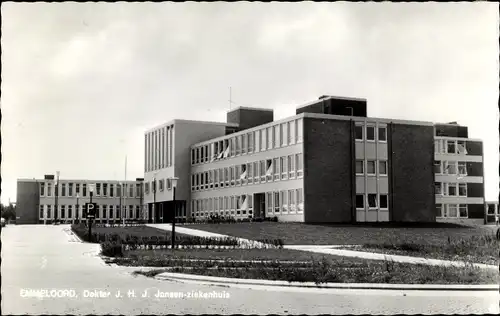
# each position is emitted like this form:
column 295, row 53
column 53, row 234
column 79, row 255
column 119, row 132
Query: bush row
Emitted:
column 323, row 271
column 216, row 219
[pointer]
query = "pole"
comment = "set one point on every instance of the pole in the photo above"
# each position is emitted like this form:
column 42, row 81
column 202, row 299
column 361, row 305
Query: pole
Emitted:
column 154, row 201
column 121, row 209
column 77, row 209
column 56, row 196
column 125, row 195
column 173, row 222
column 90, row 218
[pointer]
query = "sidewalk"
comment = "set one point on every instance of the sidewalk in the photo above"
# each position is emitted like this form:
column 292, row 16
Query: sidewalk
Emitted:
column 330, row 249
column 200, row 233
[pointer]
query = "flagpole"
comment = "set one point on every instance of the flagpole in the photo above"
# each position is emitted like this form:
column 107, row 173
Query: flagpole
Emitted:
column 125, row 195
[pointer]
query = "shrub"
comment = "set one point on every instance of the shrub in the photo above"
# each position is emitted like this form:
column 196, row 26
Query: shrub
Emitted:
column 112, row 249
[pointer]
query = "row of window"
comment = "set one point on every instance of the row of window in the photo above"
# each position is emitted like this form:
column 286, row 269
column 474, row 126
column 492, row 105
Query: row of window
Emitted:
column 373, row 167
column 373, row 201
column 371, row 133
column 276, row 203
column 162, row 184
column 447, row 146
column 81, row 189
column 104, row 211
column 452, row 211
column 158, row 148
column 450, row 167
column 274, row 169
column 279, row 135
column 451, row 189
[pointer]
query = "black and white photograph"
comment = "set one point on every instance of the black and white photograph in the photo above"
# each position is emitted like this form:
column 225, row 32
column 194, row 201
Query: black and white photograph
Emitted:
column 253, row 158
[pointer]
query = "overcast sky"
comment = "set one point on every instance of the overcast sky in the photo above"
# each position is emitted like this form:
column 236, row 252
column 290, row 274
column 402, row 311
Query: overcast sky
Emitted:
column 82, row 82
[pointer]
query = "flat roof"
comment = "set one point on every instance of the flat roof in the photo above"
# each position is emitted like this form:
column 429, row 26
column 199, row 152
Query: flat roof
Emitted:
column 317, row 116
column 250, row 108
column 173, row 122
column 459, row 138
column 328, row 98
column 77, row 180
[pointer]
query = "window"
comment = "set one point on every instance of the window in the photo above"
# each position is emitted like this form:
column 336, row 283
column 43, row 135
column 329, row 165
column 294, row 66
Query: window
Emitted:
column 137, row 211
column 98, row 189
column 291, row 200
column 70, row 211
column 299, row 130
column 370, row 167
column 226, row 176
column 382, row 134
column 359, row 167
column 298, row 164
column 263, row 170
column 105, row 189
column 462, row 210
column 111, row 190
column 63, row 190
column 291, row 166
column 383, row 201
column 284, row 134
column 232, row 151
column 276, row 202
column 382, row 168
column 193, row 156
column 232, row 175
column 276, row 167
column 276, row 136
column 462, row 189
column 283, row 168
column 451, row 167
column 370, row 133
column 84, row 189
column 49, row 211
column 263, row 139
column 438, row 188
column 257, row 141
column 437, row 167
column 146, row 187
column 49, row 189
column 269, row 169
column 161, row 183
column 359, row 132
column 461, row 149
column 117, row 212
column 244, row 142
column 130, row 211
column 105, row 212
column 256, row 171
column 250, row 142
column 360, row 201
column 269, row 203
column 462, row 168
column 451, row 147
column 284, row 199
column 439, row 210
column 131, row 190
column 63, row 211
column 491, row 209
column 70, row 189
column 300, row 200
column 249, row 173
column 291, row 132
column 42, row 189
column 452, row 189
column 452, row 210
column 270, row 138
column 42, row 215
column 372, row 200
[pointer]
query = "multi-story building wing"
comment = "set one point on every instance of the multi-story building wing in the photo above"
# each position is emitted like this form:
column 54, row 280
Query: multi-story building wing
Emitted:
column 167, row 155
column 37, row 199
column 328, row 163
column 459, row 183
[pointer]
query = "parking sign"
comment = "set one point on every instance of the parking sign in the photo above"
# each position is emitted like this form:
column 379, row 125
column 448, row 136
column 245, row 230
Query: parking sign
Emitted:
column 90, row 210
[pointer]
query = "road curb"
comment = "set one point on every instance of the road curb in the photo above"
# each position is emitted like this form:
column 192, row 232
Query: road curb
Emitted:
column 311, row 285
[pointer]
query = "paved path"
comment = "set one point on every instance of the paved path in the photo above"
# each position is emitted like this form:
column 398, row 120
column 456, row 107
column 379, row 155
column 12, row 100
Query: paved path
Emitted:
column 46, row 257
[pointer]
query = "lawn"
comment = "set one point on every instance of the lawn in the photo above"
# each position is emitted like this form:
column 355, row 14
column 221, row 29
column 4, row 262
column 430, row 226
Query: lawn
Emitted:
column 307, row 267
column 338, row 234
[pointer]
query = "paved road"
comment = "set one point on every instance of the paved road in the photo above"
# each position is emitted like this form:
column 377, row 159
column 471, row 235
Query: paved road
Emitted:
column 37, row 257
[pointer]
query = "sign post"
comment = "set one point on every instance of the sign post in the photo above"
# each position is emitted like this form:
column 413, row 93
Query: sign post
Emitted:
column 90, row 210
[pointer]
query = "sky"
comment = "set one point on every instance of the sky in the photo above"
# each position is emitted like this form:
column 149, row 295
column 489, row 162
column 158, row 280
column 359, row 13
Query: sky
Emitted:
column 82, row 82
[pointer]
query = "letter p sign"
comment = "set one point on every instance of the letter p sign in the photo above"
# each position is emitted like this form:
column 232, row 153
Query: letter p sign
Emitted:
column 91, row 209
